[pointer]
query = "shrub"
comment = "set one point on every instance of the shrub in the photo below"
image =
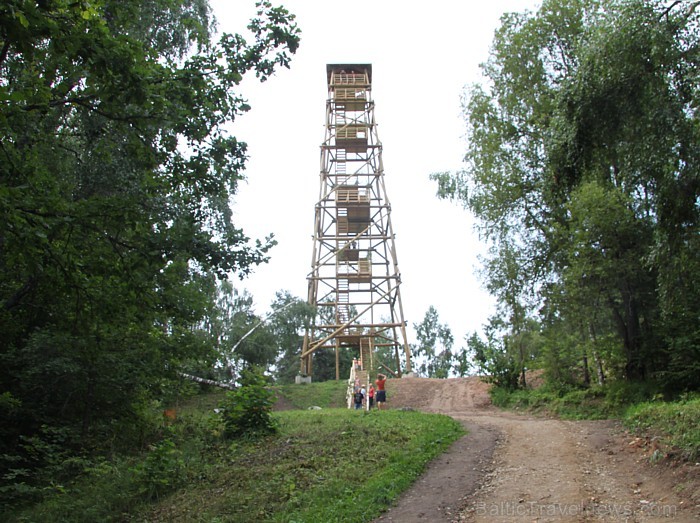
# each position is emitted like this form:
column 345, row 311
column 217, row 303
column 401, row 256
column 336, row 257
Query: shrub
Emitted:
column 624, row 393
column 247, row 411
column 161, row 472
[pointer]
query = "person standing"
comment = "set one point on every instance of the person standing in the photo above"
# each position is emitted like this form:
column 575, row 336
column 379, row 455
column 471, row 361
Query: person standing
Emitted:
column 381, row 392
column 358, row 397
column 370, row 395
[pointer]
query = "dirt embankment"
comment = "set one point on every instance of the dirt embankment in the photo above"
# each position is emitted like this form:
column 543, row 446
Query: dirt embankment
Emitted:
column 513, row 468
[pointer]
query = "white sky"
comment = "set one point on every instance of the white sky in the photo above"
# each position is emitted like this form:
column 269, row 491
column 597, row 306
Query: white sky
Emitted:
column 422, row 56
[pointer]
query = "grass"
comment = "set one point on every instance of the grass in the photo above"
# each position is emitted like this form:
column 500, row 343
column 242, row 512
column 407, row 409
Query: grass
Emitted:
column 576, row 404
column 323, row 465
column 610, row 401
column 677, row 424
column 638, row 405
column 327, row 394
column 329, row 465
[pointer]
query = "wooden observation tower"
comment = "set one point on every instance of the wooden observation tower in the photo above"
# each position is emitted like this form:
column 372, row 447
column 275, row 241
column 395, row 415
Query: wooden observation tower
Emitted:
column 354, row 280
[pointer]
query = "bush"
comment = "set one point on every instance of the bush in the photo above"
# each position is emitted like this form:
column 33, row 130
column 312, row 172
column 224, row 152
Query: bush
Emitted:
column 568, row 403
column 161, row 472
column 41, row 463
column 624, row 393
column 247, row 411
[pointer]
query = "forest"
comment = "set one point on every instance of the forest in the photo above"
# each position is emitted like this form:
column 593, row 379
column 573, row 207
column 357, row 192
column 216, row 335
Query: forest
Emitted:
column 119, row 252
column 116, row 237
column 582, row 171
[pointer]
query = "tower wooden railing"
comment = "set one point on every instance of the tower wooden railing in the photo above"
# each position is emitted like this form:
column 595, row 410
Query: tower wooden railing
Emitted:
column 356, row 79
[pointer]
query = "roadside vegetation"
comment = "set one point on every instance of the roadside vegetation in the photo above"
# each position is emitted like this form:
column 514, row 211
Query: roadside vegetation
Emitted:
column 609, row 401
column 587, row 200
column 331, row 464
column 642, row 409
column 676, row 424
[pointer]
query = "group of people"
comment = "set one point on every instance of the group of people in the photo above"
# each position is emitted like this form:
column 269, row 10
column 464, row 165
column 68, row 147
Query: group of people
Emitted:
column 360, row 393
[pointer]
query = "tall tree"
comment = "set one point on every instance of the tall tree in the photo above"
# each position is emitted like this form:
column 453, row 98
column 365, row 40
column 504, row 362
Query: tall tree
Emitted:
column 583, row 160
column 433, row 349
column 493, row 357
column 627, row 122
column 288, row 319
column 115, row 177
column 246, row 339
column 508, row 282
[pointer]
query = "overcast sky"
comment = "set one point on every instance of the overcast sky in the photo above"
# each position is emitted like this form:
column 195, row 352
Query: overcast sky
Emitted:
column 423, row 54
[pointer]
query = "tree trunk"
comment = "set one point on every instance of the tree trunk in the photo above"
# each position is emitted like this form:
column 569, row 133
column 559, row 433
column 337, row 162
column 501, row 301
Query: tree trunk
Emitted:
column 87, row 411
column 628, row 329
column 584, row 356
column 205, row 381
column 596, row 357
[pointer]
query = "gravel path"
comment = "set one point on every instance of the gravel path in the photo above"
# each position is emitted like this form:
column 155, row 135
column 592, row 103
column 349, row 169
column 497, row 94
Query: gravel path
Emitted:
column 513, row 468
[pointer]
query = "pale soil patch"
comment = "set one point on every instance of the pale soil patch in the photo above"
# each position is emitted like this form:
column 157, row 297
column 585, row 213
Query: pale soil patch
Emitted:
column 513, row 468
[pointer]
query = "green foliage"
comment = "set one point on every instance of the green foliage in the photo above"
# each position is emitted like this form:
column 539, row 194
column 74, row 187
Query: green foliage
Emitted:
column 108, row 489
column 242, row 337
column 463, row 364
column 494, row 362
column 247, row 411
column 290, row 316
column 571, row 402
column 432, row 354
column 584, row 174
column 42, row 462
column 623, row 394
column 560, row 358
column 160, row 472
column 683, row 349
column 676, row 423
column 310, row 471
column 104, row 493
column 323, row 364
column 115, row 183
column 607, row 241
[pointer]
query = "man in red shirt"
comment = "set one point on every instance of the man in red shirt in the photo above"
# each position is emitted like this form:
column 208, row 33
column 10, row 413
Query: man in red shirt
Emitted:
column 381, row 392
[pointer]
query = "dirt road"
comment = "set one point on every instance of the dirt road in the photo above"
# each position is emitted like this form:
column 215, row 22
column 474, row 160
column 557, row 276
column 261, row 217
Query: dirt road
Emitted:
column 513, row 468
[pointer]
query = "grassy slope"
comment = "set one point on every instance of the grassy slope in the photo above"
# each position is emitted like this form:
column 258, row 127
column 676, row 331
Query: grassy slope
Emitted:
column 325, row 465
column 677, row 424
column 327, row 394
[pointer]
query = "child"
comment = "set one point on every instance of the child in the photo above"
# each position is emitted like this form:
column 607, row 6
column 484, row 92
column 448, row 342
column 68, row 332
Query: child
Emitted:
column 358, row 397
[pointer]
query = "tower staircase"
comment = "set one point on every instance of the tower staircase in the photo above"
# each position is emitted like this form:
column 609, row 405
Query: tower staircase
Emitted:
column 361, row 371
